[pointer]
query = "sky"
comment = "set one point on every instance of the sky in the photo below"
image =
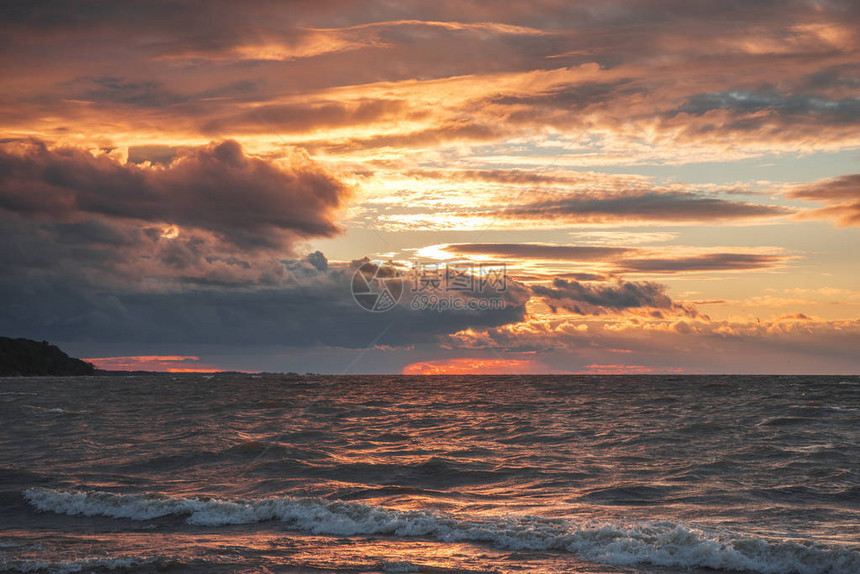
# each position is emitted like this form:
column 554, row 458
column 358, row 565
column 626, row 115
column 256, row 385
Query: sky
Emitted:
column 627, row 187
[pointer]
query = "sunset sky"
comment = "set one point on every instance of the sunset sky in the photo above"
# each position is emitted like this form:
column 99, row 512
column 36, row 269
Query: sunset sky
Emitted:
column 673, row 186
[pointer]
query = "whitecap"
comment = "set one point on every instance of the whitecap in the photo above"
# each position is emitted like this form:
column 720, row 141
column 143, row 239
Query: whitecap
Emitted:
column 618, row 543
column 399, row 566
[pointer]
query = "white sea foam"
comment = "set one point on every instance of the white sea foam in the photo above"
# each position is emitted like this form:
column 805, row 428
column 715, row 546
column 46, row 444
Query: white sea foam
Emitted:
column 57, row 410
column 657, row 543
column 399, row 566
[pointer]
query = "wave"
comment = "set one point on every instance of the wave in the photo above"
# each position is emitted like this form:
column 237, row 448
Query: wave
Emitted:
column 798, row 493
column 788, row 421
column 665, row 543
column 399, row 566
column 86, row 564
column 57, row 410
column 630, row 494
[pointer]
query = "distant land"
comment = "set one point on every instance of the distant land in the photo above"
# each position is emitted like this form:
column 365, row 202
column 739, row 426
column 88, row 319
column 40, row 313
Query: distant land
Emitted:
column 27, row 358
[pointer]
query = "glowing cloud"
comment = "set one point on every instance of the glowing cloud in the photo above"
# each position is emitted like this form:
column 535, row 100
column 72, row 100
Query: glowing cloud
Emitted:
column 163, row 363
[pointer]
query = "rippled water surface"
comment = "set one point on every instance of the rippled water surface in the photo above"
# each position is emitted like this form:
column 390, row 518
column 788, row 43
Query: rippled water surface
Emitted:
column 430, row 474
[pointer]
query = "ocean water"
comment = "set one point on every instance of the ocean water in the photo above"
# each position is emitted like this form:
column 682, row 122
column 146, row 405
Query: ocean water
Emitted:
column 615, row 474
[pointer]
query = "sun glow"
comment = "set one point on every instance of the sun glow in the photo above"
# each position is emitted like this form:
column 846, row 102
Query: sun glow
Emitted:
column 161, row 363
column 472, row 367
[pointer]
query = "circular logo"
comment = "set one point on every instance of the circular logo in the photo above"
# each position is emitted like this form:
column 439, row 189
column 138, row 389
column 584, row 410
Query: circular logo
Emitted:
column 377, row 286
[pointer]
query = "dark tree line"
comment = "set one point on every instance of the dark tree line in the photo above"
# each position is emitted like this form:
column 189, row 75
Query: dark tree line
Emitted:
column 24, row 357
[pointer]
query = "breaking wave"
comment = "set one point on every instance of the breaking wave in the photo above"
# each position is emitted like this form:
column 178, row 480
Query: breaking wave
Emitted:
column 618, row 543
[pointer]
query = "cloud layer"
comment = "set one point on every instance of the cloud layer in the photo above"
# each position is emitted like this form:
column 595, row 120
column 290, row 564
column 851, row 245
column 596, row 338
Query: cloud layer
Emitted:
column 840, row 194
column 166, row 168
column 598, row 299
column 217, row 188
column 614, row 259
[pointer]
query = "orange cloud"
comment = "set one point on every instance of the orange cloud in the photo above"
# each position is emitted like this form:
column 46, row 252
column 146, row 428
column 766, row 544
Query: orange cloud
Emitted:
column 472, row 367
column 791, row 343
column 163, row 363
column 840, row 194
column 177, row 370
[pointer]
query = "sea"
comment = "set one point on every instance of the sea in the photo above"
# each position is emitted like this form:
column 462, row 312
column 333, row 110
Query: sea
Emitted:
column 435, row 474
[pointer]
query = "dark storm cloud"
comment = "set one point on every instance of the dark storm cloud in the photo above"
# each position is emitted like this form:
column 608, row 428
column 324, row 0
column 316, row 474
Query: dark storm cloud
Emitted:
column 217, row 188
column 91, row 233
column 210, row 217
column 110, row 254
column 653, row 206
column 841, row 194
column 313, row 307
column 601, row 298
column 95, row 250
